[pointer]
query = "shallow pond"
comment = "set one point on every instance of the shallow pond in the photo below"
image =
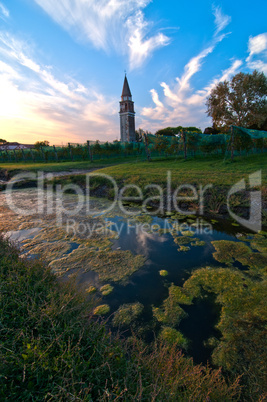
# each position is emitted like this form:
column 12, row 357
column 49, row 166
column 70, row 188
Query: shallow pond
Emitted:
column 139, row 255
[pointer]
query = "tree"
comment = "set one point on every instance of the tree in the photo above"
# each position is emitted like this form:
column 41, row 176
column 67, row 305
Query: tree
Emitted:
column 2, row 141
column 169, row 131
column 40, row 144
column 242, row 101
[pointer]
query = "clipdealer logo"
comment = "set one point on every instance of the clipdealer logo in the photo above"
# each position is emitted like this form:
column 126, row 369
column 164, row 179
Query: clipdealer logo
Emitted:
column 254, row 222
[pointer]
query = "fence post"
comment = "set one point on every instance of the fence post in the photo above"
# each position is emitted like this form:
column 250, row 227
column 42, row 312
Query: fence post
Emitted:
column 15, row 156
column 90, row 151
column 232, row 143
column 23, row 154
column 32, row 154
column 147, row 150
column 56, row 153
column 185, row 145
column 43, row 154
column 71, row 155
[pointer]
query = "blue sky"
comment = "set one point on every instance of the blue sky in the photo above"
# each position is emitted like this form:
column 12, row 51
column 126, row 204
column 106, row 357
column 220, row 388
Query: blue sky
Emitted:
column 62, row 63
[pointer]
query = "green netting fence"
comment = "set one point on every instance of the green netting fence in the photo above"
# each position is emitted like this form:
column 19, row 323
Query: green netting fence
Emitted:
column 240, row 141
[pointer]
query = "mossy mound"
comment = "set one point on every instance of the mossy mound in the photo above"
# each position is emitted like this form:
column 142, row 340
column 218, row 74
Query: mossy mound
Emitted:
column 228, row 251
column 106, row 289
column 127, row 313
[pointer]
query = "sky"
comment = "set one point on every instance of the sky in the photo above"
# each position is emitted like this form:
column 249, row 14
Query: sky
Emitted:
column 62, row 63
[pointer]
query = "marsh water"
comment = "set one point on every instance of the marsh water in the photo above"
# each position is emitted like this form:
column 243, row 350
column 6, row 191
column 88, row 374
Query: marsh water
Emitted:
column 40, row 235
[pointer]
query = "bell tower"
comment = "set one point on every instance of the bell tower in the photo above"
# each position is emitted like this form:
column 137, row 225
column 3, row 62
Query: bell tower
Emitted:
column 127, row 114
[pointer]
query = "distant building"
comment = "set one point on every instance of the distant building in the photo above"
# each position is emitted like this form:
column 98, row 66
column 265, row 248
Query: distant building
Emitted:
column 127, row 114
column 13, row 146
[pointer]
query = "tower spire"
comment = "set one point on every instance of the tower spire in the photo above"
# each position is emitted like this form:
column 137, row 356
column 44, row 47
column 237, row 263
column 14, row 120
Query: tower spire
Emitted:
column 126, row 89
column 127, row 114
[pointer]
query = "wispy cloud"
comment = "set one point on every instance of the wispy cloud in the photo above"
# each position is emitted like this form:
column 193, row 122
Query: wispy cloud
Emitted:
column 221, row 20
column 35, row 103
column 180, row 103
column 183, row 109
column 108, row 24
column 4, row 13
column 140, row 47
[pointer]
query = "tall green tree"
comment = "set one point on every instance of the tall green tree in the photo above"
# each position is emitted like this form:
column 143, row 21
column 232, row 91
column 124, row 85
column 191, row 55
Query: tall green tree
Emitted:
column 242, row 101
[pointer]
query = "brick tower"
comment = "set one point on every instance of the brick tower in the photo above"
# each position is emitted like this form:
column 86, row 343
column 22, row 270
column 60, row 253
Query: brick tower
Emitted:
column 127, row 119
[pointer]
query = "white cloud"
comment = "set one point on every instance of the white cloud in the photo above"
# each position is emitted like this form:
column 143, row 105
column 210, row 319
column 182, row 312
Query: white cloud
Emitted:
column 258, row 65
column 4, row 13
column 34, row 103
column 221, row 20
column 106, row 24
column 257, row 45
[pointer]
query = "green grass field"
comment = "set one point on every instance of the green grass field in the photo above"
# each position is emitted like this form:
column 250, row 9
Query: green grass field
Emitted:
column 214, row 170
column 196, row 171
column 62, row 166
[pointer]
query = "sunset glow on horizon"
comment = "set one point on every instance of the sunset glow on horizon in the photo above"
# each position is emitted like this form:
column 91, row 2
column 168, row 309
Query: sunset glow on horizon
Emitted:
column 62, row 63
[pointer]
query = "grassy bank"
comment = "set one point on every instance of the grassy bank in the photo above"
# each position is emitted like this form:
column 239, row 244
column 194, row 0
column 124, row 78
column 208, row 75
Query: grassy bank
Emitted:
column 56, row 166
column 220, row 175
column 195, row 171
column 202, row 170
column 53, row 349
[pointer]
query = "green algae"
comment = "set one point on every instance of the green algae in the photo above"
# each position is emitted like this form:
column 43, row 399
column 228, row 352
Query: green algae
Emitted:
column 144, row 218
column 54, row 243
column 91, row 289
column 173, row 337
column 198, row 243
column 103, row 309
column 171, row 313
column 115, row 265
column 106, row 289
column 49, row 251
column 187, row 233
column 184, row 248
column 127, row 313
column 163, row 272
column 228, row 251
column 259, row 243
column 242, row 321
column 181, row 240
